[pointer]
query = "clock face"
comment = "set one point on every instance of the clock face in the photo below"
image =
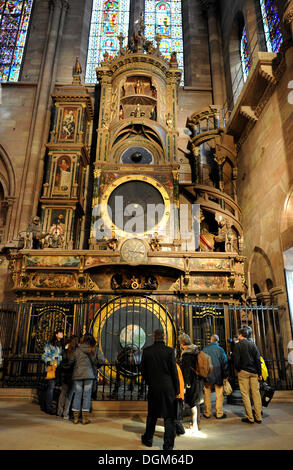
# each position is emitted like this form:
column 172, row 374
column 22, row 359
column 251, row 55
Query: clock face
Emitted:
column 132, row 206
column 133, row 251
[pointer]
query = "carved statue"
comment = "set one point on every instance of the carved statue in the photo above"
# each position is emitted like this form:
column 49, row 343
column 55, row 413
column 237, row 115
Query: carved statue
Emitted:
column 138, row 87
column 169, row 121
column 34, row 234
column 173, row 57
column 155, row 242
column 207, row 240
column 77, row 70
column 121, row 113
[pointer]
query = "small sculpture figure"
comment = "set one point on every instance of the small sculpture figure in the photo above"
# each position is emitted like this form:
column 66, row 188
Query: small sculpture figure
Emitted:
column 153, row 91
column 138, row 112
column 173, row 57
column 34, row 234
column 207, row 240
column 155, row 242
column 169, row 121
column 121, row 113
column 138, row 87
column 122, row 91
column 112, row 244
column 77, row 70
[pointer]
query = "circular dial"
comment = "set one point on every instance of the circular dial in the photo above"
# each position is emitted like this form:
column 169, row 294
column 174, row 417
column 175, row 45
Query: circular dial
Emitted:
column 132, row 206
column 133, row 251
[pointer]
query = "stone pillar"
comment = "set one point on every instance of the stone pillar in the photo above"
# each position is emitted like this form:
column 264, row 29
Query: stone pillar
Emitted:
column 288, row 15
column 215, row 53
column 135, row 10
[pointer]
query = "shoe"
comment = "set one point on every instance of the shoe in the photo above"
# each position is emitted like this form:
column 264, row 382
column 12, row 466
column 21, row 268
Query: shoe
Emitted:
column 222, row 417
column 205, row 416
column 257, row 421
column 167, row 448
column 246, row 420
column 85, row 417
column 146, row 442
column 180, row 431
column 75, row 417
column 51, row 412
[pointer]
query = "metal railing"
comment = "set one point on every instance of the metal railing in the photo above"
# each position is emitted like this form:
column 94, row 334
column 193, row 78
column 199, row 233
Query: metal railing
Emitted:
column 123, row 326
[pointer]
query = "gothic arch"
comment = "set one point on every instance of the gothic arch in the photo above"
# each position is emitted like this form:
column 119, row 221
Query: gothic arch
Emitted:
column 7, row 176
column 7, row 192
column 260, row 271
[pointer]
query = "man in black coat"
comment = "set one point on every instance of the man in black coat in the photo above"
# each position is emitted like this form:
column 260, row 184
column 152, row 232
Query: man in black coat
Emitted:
column 158, row 366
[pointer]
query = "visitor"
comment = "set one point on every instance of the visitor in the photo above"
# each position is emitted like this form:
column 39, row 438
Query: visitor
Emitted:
column 193, row 382
column 247, row 363
column 85, row 362
column 158, row 366
column 216, row 378
column 66, row 371
column 52, row 356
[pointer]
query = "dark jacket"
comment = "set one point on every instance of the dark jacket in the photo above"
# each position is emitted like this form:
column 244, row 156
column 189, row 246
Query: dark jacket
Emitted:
column 84, row 363
column 159, row 370
column 220, row 364
column 193, row 383
column 246, row 357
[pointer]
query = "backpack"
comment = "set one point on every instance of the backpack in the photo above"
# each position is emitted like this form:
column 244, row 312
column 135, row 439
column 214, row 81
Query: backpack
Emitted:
column 204, row 365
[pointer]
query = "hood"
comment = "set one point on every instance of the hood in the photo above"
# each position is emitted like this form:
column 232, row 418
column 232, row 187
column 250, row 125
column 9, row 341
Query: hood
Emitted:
column 191, row 349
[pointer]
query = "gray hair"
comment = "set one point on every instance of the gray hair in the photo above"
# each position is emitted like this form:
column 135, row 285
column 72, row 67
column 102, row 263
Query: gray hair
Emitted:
column 215, row 338
column 184, row 339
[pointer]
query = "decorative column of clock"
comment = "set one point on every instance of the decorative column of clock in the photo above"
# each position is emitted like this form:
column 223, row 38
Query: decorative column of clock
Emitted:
column 63, row 200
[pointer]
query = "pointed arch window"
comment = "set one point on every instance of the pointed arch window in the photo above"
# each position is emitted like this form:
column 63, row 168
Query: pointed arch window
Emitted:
column 109, row 19
column 271, row 24
column 14, row 24
column 245, row 54
column 165, row 18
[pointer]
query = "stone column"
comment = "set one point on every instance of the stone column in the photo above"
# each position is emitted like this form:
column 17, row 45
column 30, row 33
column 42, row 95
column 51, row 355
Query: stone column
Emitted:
column 135, row 10
column 288, row 15
column 215, row 52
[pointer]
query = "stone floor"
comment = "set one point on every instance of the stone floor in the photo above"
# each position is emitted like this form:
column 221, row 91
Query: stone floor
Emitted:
column 23, row 426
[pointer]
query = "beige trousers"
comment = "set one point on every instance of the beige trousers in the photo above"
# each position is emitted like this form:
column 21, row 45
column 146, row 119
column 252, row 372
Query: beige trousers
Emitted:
column 249, row 382
column 219, row 400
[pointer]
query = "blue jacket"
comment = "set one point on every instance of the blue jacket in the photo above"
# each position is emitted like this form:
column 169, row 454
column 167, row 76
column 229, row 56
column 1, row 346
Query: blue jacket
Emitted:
column 220, row 364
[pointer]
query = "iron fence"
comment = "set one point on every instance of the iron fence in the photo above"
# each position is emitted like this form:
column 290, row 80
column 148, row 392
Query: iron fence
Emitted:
column 122, row 326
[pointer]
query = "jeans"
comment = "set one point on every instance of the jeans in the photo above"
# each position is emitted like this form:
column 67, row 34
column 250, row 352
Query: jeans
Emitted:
column 49, row 394
column 65, row 400
column 82, row 390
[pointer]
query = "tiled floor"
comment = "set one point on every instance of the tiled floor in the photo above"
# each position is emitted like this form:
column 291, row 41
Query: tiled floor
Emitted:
column 23, row 426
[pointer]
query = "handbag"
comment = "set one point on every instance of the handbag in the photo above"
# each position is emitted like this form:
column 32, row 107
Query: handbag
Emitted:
column 179, row 409
column 227, row 388
column 51, row 371
column 266, row 393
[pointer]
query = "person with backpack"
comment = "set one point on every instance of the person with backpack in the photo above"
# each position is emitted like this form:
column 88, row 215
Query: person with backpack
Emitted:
column 216, row 378
column 190, row 366
column 66, row 393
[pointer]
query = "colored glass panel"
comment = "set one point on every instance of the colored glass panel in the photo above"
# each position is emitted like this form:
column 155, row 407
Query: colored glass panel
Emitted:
column 245, row 55
column 165, row 18
column 14, row 23
column 109, row 19
column 271, row 24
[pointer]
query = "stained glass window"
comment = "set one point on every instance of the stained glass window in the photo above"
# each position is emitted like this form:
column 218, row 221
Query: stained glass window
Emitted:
column 14, row 22
column 165, row 18
column 109, row 19
column 245, row 54
column 271, row 24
